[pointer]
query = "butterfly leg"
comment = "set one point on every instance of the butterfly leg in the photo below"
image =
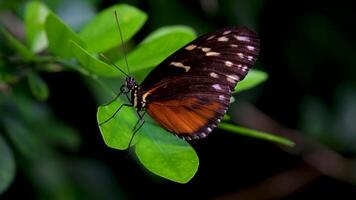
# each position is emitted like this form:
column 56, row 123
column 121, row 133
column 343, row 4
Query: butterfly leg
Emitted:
column 139, row 123
column 114, row 99
column 112, row 116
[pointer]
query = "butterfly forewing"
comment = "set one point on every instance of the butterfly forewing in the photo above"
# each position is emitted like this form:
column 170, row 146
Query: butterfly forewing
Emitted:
column 189, row 92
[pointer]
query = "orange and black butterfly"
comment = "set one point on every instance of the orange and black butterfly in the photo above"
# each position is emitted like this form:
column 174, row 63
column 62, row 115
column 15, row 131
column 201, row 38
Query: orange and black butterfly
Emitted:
column 189, row 92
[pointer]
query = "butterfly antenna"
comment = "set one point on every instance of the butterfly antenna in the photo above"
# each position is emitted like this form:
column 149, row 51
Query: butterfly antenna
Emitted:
column 112, row 63
column 122, row 42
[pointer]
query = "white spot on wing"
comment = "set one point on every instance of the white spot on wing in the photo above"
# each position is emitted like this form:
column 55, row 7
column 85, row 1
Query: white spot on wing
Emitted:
column 221, row 97
column 226, row 32
column 190, row 47
column 217, row 87
column 205, row 49
column 250, row 58
column 241, row 55
column 209, row 129
column 179, row 64
column 212, row 53
column 232, row 78
column 234, row 45
column 242, row 38
column 223, row 39
column 228, row 63
column 202, row 135
column 211, row 37
column 214, row 75
column 251, row 48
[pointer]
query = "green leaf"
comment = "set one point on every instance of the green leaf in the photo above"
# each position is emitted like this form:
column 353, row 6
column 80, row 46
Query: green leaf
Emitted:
column 118, row 131
column 91, row 64
column 158, row 46
column 256, row 134
column 165, row 155
column 35, row 17
column 38, row 86
column 102, row 33
column 59, row 36
column 17, row 46
column 158, row 150
column 253, row 78
column 7, row 165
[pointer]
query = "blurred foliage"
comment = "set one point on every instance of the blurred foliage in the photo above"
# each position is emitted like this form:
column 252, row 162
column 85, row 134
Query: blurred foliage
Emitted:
column 54, row 38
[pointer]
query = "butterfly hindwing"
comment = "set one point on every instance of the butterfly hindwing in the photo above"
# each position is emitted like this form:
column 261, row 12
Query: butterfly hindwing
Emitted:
column 189, row 92
column 190, row 108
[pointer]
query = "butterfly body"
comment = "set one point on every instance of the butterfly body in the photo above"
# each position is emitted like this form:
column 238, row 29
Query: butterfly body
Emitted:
column 189, row 92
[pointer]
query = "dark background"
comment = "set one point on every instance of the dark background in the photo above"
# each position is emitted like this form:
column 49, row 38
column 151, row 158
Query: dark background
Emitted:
column 308, row 50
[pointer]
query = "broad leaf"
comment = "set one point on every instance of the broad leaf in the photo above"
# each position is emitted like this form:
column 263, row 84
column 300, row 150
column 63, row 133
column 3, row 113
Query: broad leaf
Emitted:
column 91, row 64
column 165, row 155
column 256, row 134
column 158, row 150
column 253, row 78
column 158, row 46
column 59, row 37
column 7, row 165
column 102, row 33
column 117, row 132
column 35, row 17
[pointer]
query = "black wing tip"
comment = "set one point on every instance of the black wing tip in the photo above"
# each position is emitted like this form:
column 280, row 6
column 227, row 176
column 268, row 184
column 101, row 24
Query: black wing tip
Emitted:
column 242, row 30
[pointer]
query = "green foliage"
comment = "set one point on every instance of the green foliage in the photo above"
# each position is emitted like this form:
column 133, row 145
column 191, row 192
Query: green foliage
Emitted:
column 102, row 33
column 253, row 78
column 165, row 155
column 20, row 136
column 91, row 64
column 35, row 17
column 158, row 150
column 17, row 46
column 7, row 165
column 158, row 46
column 59, row 37
column 116, row 132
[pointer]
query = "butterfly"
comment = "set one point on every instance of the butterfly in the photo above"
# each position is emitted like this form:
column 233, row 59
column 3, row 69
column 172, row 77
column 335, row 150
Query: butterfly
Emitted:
column 189, row 92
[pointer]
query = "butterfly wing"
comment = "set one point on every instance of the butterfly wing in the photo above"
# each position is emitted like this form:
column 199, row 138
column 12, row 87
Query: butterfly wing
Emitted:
column 189, row 92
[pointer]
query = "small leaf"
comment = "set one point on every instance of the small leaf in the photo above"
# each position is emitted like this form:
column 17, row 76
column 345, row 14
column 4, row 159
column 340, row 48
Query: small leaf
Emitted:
column 59, row 37
column 92, row 64
column 38, row 86
column 253, row 78
column 7, row 165
column 158, row 46
column 17, row 46
column 102, row 33
column 165, row 155
column 35, row 17
column 118, row 131
column 256, row 134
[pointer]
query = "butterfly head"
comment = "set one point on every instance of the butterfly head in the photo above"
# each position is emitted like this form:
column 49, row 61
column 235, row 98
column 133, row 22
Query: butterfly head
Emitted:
column 129, row 85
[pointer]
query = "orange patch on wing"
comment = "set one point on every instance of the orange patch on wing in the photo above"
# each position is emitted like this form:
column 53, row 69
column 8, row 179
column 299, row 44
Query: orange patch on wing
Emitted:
column 185, row 116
